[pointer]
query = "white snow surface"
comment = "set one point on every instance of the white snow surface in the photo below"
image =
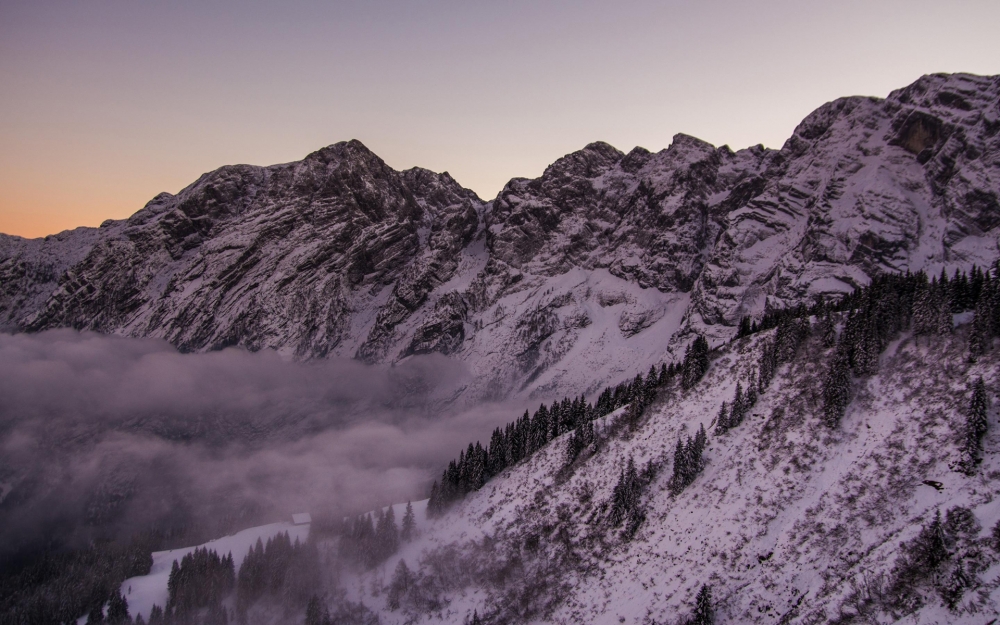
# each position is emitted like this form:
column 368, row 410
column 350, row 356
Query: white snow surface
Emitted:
column 145, row 591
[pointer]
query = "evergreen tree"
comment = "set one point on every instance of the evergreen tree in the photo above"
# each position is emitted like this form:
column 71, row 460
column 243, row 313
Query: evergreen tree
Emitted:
column 704, row 613
column 96, row 614
column 695, row 362
column 402, row 580
column 981, row 337
column 959, row 292
column 929, row 548
column 386, row 535
column 409, row 523
column 688, row 460
column 156, row 615
column 931, row 312
column 975, row 428
column 722, row 420
column 118, row 610
column 836, row 389
column 978, row 409
column 625, row 496
column 434, row 503
column 314, row 612
column 651, row 385
column 827, row 330
column 750, row 399
column 739, row 407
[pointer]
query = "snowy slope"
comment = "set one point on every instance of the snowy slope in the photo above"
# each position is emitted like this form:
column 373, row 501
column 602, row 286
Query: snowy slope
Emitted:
column 787, row 519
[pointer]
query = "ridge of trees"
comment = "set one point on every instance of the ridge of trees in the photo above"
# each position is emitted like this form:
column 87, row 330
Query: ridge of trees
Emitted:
column 59, row 585
column 281, row 570
column 688, row 460
column 892, row 303
column 369, row 539
column 520, row 439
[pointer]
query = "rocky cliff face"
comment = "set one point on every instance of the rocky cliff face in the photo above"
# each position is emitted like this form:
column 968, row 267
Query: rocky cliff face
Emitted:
column 565, row 282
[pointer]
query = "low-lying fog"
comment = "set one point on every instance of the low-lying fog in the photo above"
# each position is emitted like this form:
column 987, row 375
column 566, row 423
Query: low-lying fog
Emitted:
column 104, row 436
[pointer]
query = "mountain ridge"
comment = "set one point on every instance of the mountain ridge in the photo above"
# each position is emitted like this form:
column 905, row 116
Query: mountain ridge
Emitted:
column 340, row 255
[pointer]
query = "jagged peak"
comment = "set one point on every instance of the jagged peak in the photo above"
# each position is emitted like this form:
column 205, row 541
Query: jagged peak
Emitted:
column 818, row 122
column 682, row 141
column 956, row 92
column 352, row 150
column 417, row 177
column 635, row 160
column 591, row 161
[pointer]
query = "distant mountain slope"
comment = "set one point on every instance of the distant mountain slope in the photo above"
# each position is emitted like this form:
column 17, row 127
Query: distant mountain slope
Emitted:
column 605, row 253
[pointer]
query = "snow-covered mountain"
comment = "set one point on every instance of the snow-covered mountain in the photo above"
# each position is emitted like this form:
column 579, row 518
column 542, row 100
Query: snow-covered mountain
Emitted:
column 790, row 521
column 563, row 283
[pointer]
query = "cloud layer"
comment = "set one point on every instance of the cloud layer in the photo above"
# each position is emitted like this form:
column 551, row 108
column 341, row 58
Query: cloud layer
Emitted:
column 104, row 435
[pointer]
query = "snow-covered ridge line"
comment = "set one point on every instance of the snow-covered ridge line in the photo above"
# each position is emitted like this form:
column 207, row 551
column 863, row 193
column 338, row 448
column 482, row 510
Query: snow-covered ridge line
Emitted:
column 605, row 253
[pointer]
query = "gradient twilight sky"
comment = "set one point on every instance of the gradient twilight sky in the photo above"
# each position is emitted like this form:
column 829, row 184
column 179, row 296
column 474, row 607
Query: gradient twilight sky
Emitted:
column 104, row 103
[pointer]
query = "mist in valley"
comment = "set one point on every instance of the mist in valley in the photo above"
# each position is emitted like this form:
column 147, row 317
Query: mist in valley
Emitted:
column 102, row 438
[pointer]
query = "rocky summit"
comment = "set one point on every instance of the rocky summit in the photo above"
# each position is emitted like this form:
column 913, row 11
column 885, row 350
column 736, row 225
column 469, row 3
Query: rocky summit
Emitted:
column 561, row 283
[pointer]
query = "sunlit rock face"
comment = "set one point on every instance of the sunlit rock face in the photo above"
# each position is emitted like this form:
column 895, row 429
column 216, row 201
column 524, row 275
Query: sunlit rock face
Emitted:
column 598, row 268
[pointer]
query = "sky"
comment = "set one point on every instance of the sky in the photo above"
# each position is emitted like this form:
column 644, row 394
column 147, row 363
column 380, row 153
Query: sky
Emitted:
column 105, row 103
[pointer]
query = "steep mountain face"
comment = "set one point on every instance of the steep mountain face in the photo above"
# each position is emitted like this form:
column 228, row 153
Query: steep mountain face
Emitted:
column 562, row 283
column 863, row 185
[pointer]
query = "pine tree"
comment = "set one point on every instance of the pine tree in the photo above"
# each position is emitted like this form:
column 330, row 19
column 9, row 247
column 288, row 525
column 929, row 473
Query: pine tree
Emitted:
column 836, row 389
column 827, row 330
column 386, row 535
column 625, row 496
column 981, row 337
column 923, row 317
column 975, row 428
column 942, row 308
column 402, row 580
column 704, row 614
column 314, row 612
column 739, row 407
column 695, row 362
column 96, row 614
column 118, row 610
column 409, row 523
column 744, row 328
column 688, row 460
column 978, row 409
column 930, row 546
column 156, row 615
column 766, row 366
column 722, row 421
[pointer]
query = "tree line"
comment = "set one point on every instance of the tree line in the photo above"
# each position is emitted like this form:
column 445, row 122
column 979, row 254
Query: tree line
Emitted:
column 57, row 585
column 892, row 303
column 520, row 439
column 369, row 539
